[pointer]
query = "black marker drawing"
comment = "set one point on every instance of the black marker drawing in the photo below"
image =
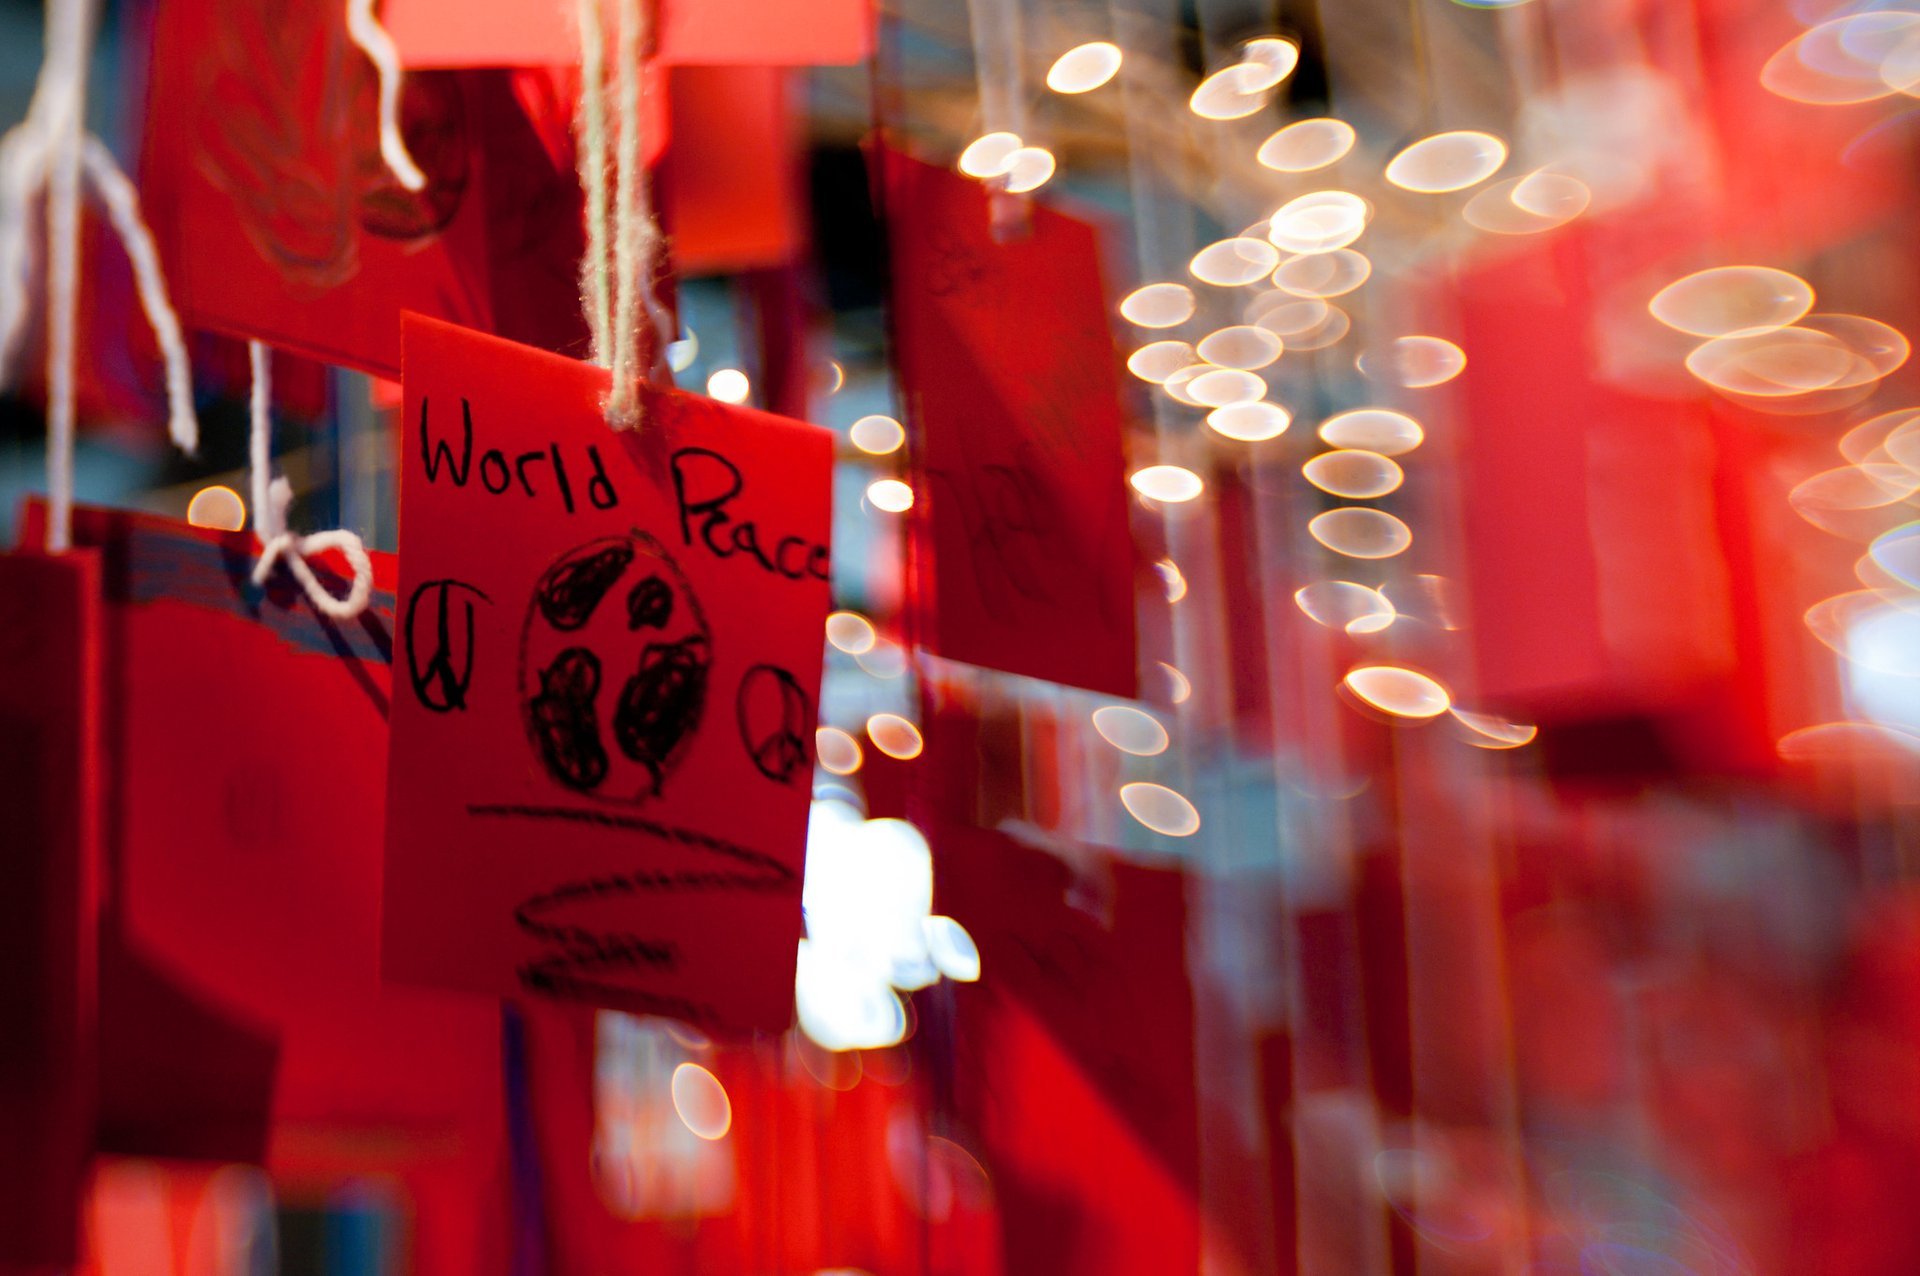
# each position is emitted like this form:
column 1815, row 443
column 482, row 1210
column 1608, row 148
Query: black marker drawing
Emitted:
column 615, row 660
column 442, row 669
column 773, row 714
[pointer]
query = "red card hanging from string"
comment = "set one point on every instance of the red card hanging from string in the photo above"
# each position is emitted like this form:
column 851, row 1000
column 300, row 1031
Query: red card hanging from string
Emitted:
column 241, row 1012
column 277, row 218
column 610, row 648
column 1021, row 545
column 446, row 33
column 49, row 773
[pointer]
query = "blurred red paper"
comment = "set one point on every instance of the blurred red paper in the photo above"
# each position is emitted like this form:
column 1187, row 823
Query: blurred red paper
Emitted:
column 1021, row 547
column 242, row 1016
column 611, row 646
column 49, row 776
column 276, row 218
column 729, row 186
column 440, row 33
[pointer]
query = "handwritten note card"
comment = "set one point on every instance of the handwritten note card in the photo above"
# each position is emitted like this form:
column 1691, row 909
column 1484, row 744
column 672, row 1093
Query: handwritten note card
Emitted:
column 1020, row 534
column 607, row 662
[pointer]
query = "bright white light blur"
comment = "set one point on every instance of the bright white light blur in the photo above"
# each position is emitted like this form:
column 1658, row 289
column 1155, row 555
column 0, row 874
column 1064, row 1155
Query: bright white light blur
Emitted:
column 1275, row 59
column 1416, row 362
column 1381, row 430
column 729, row 385
column 1179, row 689
column 1084, row 68
column 1344, row 605
column 890, row 495
column 989, row 155
column 1158, row 360
column 1250, row 422
column 682, row 353
column 1160, row 808
column 1358, row 532
column 1029, row 168
column 1404, row 693
column 701, row 1102
column 1130, row 730
column 951, row 949
column 1732, row 301
column 877, row 435
column 1224, row 386
column 1319, row 222
column 1171, row 577
column 850, row 632
column 894, row 736
column 1232, row 263
column 1232, row 92
column 1447, row 162
column 1158, row 305
column 838, row 751
column 1170, row 483
column 1243, row 346
column 1305, row 145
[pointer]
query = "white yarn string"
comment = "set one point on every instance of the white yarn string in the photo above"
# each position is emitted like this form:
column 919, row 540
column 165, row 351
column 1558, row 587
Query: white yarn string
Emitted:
column 51, row 150
column 272, row 496
column 364, row 29
column 595, row 282
column 615, row 293
column 63, row 77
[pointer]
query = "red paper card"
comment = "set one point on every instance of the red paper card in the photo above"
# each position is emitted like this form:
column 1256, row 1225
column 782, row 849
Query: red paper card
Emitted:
column 1022, row 549
column 277, row 219
column 49, row 768
column 609, row 647
column 442, row 33
column 241, row 1011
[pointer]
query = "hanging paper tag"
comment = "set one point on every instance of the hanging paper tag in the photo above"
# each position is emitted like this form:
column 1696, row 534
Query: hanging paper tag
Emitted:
column 49, row 774
column 1020, row 536
column 608, row 655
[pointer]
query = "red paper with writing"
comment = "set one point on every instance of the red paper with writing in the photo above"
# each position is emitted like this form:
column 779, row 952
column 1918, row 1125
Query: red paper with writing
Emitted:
column 277, row 219
column 49, row 774
column 241, row 1012
column 443, row 33
column 609, row 650
column 1021, row 544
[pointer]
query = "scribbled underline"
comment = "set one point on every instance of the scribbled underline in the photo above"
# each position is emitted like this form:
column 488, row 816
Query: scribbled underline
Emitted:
column 639, row 824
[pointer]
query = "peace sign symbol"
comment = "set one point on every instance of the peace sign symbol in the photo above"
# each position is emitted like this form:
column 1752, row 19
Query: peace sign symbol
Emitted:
column 440, row 681
column 773, row 713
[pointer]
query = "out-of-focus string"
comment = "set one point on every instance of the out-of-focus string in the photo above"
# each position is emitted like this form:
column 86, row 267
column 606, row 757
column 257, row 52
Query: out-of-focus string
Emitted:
column 616, row 275
column 364, row 29
column 52, row 150
column 272, row 496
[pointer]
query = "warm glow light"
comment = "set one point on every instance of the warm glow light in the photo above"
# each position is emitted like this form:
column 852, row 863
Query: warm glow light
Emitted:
column 1379, row 430
column 1223, row 386
column 1172, row 578
column 894, row 736
column 1486, row 731
column 1341, row 604
column 877, row 435
column 1358, row 532
column 729, row 385
column 1863, row 440
column 1331, row 274
column 1231, row 263
column 850, row 632
column 1171, row 483
column 1540, row 201
column 1274, row 59
column 1856, row 58
column 1447, row 162
column 989, row 155
column 1160, row 809
column 1158, row 360
column 886, row 660
column 1084, row 68
column 1353, row 473
column 1400, row 692
column 1279, row 313
column 1305, row 145
column 1732, row 301
column 1780, row 363
column 1250, row 422
column 1242, row 346
column 1176, row 385
column 1329, row 325
column 682, row 353
column 1130, row 730
column 1029, row 168
column 1179, row 689
column 1319, row 222
column 1414, row 362
column 1834, row 499
column 1897, row 553
column 219, row 507
column 890, row 495
column 700, row 1101
column 838, row 751
column 1158, row 305
column 1231, row 92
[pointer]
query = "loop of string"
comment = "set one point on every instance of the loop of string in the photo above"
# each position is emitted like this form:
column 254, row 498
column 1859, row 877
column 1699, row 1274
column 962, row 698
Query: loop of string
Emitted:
column 616, row 278
column 52, row 150
column 272, row 496
column 364, row 29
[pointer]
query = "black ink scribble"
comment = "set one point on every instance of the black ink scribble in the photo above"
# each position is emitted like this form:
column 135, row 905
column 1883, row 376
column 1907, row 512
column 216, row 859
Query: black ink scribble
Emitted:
column 570, row 590
column 441, row 669
column 566, row 728
column 618, row 734
column 774, row 714
column 613, row 965
column 650, row 604
column 661, row 703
